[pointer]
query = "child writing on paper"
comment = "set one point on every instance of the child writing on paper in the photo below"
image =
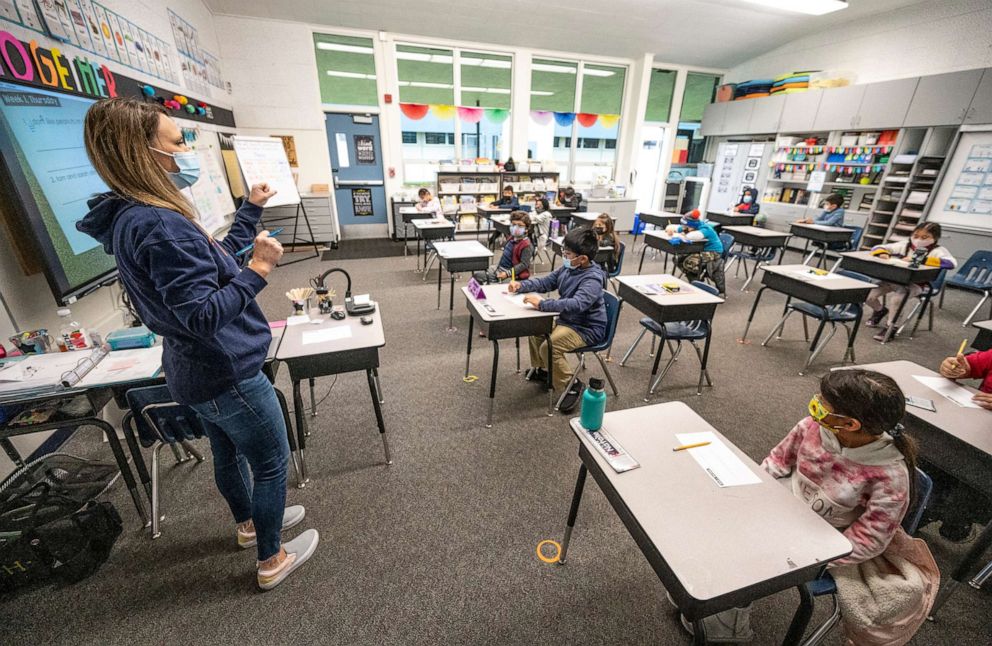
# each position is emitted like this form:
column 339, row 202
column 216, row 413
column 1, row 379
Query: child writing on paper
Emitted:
column 517, row 253
column 710, row 260
column 429, row 204
column 851, row 462
column 603, row 226
column 923, row 243
column 977, row 365
column 582, row 319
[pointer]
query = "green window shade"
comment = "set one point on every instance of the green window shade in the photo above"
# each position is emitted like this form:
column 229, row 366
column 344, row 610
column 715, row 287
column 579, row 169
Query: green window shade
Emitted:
column 345, row 69
column 486, row 80
column 660, row 91
column 602, row 89
column 700, row 90
column 552, row 85
column 425, row 74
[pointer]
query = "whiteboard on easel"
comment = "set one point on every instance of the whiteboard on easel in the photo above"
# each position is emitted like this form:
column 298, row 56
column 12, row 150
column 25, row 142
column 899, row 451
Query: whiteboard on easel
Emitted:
column 263, row 159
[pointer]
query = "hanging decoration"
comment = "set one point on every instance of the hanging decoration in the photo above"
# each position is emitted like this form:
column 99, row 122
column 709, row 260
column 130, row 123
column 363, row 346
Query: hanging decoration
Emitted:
column 470, row 115
column 609, row 120
column 541, row 117
column 415, row 111
column 564, row 119
column 587, row 119
column 444, row 112
column 497, row 115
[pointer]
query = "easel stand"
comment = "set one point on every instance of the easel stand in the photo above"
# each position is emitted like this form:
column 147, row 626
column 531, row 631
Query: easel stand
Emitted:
column 296, row 238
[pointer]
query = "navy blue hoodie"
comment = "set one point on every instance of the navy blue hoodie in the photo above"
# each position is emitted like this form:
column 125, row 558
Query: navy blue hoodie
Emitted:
column 580, row 299
column 188, row 289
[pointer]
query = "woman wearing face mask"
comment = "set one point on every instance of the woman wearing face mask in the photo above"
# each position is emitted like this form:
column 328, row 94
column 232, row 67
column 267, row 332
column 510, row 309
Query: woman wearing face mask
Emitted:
column 748, row 204
column 518, row 252
column 921, row 247
column 188, row 287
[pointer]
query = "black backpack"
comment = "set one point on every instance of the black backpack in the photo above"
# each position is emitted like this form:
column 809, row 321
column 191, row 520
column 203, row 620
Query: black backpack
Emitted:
column 51, row 528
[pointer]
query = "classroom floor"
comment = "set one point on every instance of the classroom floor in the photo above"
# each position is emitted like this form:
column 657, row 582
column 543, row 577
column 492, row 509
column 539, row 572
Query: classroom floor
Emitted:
column 439, row 547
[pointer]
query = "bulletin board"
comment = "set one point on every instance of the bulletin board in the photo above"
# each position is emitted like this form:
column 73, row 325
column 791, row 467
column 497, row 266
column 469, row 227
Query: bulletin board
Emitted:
column 964, row 198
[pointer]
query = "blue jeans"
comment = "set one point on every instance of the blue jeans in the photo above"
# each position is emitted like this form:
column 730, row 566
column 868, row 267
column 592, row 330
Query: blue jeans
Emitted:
column 247, row 433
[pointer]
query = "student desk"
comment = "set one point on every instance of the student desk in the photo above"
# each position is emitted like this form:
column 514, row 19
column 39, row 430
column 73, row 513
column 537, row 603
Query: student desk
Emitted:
column 506, row 320
column 501, row 223
column 486, row 212
column 713, row 548
column 602, row 256
column 731, row 219
column 801, row 282
column 688, row 304
column 983, row 341
column 308, row 356
column 822, row 234
column 663, row 242
column 464, row 255
column 586, row 219
column 563, row 214
column 431, row 230
column 658, row 218
column 892, row 270
column 409, row 214
column 956, row 439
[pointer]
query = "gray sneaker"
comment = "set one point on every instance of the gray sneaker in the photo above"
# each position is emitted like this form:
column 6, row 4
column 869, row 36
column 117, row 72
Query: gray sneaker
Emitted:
column 291, row 517
column 298, row 551
column 729, row 626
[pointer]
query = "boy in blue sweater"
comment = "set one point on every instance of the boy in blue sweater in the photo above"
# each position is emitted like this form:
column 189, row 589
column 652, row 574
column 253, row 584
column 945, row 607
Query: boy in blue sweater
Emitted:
column 833, row 212
column 582, row 319
column 509, row 199
column 710, row 260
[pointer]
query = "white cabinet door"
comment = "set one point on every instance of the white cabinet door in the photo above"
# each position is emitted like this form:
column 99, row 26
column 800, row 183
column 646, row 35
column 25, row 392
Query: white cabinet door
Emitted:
column 838, row 108
column 800, row 110
column 942, row 99
column 885, row 104
column 738, row 114
column 981, row 105
column 713, row 118
column 766, row 115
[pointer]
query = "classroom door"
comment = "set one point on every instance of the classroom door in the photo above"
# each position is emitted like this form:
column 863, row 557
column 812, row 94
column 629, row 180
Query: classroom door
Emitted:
column 356, row 167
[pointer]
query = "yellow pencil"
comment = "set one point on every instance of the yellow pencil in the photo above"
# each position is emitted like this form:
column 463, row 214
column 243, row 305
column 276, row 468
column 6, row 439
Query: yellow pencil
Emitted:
column 513, row 279
column 963, row 344
column 690, row 446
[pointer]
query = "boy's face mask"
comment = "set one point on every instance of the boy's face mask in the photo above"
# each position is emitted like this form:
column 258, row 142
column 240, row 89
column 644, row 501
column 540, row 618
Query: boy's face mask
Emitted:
column 517, row 230
column 747, row 199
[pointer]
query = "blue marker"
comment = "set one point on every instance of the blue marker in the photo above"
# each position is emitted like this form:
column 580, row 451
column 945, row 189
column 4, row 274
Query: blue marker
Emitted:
column 272, row 234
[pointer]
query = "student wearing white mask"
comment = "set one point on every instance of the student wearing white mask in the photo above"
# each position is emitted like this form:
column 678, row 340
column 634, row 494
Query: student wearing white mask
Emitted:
column 518, row 252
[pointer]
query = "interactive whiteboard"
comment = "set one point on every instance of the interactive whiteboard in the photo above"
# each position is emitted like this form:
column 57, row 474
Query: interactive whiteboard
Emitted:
column 263, row 159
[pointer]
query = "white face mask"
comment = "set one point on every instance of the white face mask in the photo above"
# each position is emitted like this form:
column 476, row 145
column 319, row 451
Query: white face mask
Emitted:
column 921, row 243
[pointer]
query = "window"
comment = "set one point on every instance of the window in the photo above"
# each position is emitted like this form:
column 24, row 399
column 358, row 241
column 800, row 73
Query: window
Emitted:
column 486, row 81
column 700, row 90
column 589, row 143
column 660, row 91
column 552, row 89
column 602, row 94
column 425, row 75
column 409, row 137
column 439, row 138
column 346, row 70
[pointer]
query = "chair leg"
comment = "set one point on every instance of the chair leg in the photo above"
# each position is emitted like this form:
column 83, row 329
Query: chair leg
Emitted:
column 192, row 450
column 813, row 354
column 779, row 328
column 821, row 632
column 651, row 351
column 156, row 512
column 940, row 303
column 967, row 320
column 668, row 366
column 703, row 372
column 905, row 321
column 606, row 371
column 671, row 349
column 180, row 457
column 849, row 348
column 571, row 382
column 636, row 341
column 805, row 329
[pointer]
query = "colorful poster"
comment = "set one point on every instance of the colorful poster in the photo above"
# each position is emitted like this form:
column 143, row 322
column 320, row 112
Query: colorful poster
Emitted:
column 170, row 71
column 29, row 15
column 56, row 17
column 106, row 32
column 8, row 11
column 79, row 24
column 93, row 28
column 131, row 38
column 119, row 39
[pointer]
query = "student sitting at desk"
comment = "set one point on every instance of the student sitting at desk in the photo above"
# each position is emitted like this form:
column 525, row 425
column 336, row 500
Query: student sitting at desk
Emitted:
column 923, row 243
column 568, row 198
column 693, row 229
column 189, row 288
column 517, row 253
column 429, row 204
column 748, row 204
column 977, row 365
column 508, row 200
column 832, row 215
column 603, row 226
column 851, row 461
column 582, row 322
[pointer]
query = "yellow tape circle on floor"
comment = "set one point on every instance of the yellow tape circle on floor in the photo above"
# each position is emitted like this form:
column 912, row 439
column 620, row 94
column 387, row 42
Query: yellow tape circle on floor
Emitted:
column 553, row 559
column 470, row 379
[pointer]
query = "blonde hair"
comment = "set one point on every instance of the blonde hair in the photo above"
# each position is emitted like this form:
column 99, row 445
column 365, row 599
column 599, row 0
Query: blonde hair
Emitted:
column 118, row 133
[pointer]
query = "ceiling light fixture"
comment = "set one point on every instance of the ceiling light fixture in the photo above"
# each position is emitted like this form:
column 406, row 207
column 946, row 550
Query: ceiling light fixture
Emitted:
column 351, row 75
column 811, row 7
column 351, row 49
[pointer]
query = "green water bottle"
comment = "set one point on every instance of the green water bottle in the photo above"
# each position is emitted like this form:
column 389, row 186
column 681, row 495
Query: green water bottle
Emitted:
column 593, row 405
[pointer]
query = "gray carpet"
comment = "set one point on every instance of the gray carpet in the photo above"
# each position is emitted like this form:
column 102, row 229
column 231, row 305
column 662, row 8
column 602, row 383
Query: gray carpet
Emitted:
column 439, row 547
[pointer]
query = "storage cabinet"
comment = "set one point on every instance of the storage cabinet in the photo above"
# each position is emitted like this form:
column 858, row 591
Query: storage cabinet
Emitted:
column 943, row 99
column 737, row 116
column 713, row 119
column 885, row 104
column 799, row 111
column 766, row 115
column 981, row 106
column 838, row 109
column 620, row 209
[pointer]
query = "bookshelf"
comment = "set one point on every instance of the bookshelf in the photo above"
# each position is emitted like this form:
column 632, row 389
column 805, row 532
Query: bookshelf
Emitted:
column 462, row 192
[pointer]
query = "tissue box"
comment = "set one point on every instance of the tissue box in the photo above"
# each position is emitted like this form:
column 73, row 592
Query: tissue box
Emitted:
column 131, row 337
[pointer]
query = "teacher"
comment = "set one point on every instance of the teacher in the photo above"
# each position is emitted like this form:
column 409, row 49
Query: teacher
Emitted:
column 188, row 287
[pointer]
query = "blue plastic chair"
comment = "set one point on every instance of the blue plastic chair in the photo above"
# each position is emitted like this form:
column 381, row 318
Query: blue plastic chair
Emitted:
column 924, row 303
column 613, row 306
column 974, row 276
column 832, row 314
column 759, row 255
column 611, row 276
column 825, row 584
column 159, row 422
column 691, row 331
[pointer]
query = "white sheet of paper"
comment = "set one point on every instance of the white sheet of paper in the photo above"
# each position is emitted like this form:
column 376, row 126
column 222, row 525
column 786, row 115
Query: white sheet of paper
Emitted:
column 298, row 319
column 950, row 390
column 517, row 299
column 125, row 365
column 717, row 460
column 327, row 334
column 808, row 275
column 360, row 299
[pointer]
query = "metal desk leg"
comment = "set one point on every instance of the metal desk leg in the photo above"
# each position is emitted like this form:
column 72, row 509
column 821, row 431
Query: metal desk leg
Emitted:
column 781, row 254
column 291, row 436
column 468, row 348
column 573, row 511
column 451, row 306
column 554, row 259
column 644, row 251
column 800, row 620
column 754, row 307
column 406, row 239
column 551, row 374
column 960, row 573
column 115, row 447
column 313, row 398
column 706, row 355
column 440, row 265
column 516, row 342
column 301, row 425
column 854, row 335
column 492, row 383
column 810, row 255
column 378, row 385
column 418, row 254
column 378, row 415
column 654, row 368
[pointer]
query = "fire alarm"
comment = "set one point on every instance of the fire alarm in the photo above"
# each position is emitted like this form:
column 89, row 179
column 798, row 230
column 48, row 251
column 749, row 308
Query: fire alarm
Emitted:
column 388, row 98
